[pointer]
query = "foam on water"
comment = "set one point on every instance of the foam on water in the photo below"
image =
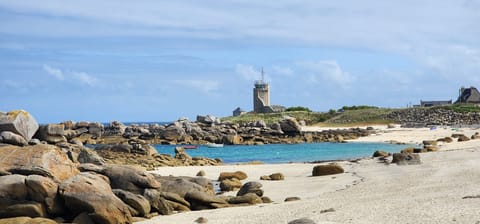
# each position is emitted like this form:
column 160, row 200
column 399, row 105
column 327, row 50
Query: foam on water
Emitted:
column 284, row 153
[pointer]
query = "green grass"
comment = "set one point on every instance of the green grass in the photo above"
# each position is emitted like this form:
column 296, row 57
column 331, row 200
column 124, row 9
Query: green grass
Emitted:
column 362, row 116
column 269, row 118
column 461, row 108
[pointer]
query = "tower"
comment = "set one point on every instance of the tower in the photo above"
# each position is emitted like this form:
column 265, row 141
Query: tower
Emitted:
column 261, row 95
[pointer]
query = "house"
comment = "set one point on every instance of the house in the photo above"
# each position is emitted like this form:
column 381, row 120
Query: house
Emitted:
column 468, row 95
column 435, row 103
column 239, row 111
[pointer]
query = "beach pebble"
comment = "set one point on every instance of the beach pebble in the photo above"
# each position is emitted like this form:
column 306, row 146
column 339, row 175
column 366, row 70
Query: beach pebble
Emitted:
column 292, row 199
column 201, row 173
column 201, row 220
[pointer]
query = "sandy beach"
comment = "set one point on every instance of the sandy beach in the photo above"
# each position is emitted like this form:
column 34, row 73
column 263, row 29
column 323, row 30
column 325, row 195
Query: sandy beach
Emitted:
column 368, row 192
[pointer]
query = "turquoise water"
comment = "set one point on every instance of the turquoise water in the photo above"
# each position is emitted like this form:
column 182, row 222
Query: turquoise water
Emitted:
column 284, row 153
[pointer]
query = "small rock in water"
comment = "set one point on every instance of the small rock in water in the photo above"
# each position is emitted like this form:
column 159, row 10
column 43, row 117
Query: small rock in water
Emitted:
column 292, row 199
column 302, row 221
column 201, row 220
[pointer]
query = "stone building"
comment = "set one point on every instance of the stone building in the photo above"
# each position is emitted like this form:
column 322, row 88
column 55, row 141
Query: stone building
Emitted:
column 469, row 95
column 239, row 111
column 261, row 96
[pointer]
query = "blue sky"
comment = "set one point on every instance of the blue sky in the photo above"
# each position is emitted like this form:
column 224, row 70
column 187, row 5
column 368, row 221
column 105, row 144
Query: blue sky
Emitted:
column 161, row 60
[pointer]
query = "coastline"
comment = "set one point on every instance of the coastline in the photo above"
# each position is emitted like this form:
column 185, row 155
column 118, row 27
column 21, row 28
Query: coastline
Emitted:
column 368, row 191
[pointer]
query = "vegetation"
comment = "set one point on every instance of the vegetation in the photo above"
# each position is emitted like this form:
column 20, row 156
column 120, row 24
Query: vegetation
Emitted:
column 269, row 118
column 461, row 108
column 360, row 107
column 299, row 108
column 372, row 115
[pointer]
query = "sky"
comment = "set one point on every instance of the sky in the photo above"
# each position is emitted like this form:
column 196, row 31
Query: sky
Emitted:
column 161, row 60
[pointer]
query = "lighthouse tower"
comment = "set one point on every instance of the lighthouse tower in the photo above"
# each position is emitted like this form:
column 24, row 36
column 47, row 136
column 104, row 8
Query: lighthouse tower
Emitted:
column 261, row 95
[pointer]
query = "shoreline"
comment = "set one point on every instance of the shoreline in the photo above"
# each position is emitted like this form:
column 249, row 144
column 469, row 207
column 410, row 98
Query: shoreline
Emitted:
column 366, row 185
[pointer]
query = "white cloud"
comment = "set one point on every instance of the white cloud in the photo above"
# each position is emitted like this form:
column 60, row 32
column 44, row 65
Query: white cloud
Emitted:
column 327, row 70
column 286, row 71
column 85, row 78
column 55, row 72
column 71, row 76
column 248, row 72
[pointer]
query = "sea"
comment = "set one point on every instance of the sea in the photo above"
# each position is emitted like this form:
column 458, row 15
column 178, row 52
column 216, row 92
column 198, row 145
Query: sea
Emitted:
column 286, row 153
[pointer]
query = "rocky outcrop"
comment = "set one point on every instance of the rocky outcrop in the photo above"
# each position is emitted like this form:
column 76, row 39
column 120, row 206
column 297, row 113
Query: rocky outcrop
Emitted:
column 91, row 193
column 290, row 125
column 44, row 160
column 423, row 117
column 329, row 169
column 51, row 133
column 19, row 122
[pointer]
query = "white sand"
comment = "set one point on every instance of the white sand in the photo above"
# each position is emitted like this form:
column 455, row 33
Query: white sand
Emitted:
column 369, row 192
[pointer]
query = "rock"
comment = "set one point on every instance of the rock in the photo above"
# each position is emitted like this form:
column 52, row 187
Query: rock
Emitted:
column 51, row 133
column 277, row 176
column 12, row 191
column 249, row 198
column 266, row 200
column 232, row 140
column 431, row 148
column 95, row 129
column 421, row 150
column 463, row 138
column 329, row 169
column 265, row 178
column 406, row 159
column 292, row 199
column 157, row 202
column 129, row 179
column 182, row 185
column 44, row 160
column 201, row 173
column 83, row 218
column 380, row 153
column 209, row 119
column 139, row 203
column 31, row 209
column 446, row 139
column 230, row 184
column 408, row 150
column 175, row 198
column 12, row 138
column 44, row 190
column 173, row 133
column 302, row 221
column 34, row 141
column 240, row 175
column 251, row 187
column 182, row 155
column 327, row 210
column 28, row 220
column 91, row 193
column 201, row 200
column 19, row 122
column 87, row 155
column 290, row 125
column 429, row 142
column 201, row 220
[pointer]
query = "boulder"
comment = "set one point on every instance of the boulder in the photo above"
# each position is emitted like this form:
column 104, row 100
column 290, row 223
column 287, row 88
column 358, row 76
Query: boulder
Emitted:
column 232, row 139
column 200, row 200
column 408, row 150
column 463, row 138
column 44, row 160
column 181, row 155
column 173, row 133
column 91, row 193
column 266, row 200
column 139, row 203
column 380, row 153
column 208, row 119
column 182, row 185
column 290, row 125
column 230, row 184
column 251, row 187
column 95, row 129
column 277, row 176
column 429, row 142
column 302, row 221
column 29, row 208
column 19, row 122
column 174, row 198
column 12, row 138
column 129, row 178
column 329, row 169
column 12, row 191
column 27, row 220
column 87, row 155
column 158, row 203
column 240, row 175
column 51, row 133
column 446, row 140
column 83, row 218
column 406, row 159
column 249, row 198
column 44, row 190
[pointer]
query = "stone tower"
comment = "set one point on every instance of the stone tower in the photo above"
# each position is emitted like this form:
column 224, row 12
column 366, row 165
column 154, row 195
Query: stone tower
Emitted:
column 261, row 95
